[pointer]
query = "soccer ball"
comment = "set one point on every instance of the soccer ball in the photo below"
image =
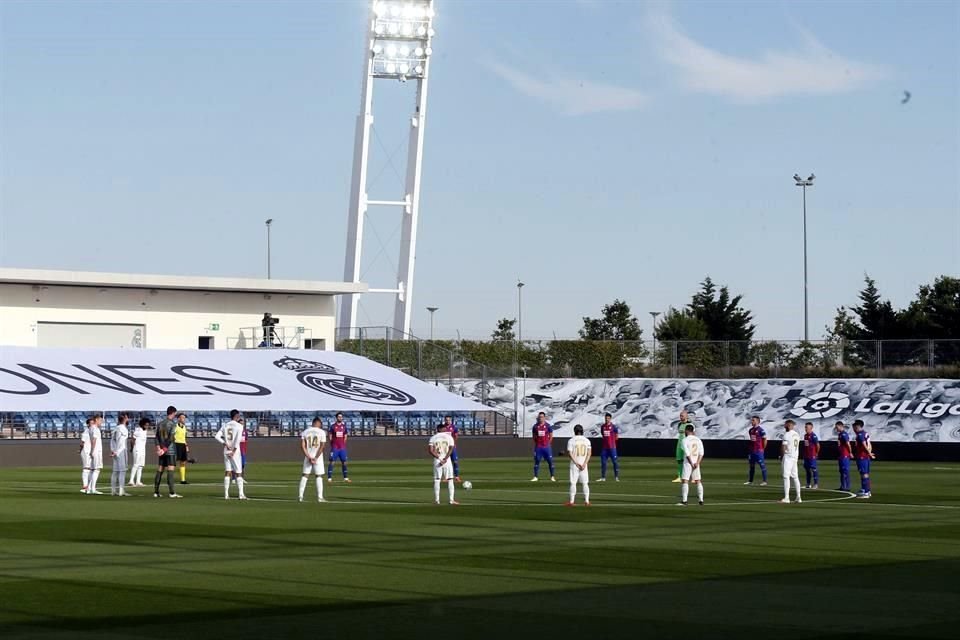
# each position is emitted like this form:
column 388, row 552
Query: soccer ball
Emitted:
column 467, row 485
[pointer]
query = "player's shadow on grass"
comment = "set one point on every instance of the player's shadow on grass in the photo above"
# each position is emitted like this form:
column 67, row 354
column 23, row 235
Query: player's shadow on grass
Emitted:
column 895, row 600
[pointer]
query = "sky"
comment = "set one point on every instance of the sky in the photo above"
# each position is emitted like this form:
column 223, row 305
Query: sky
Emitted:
column 595, row 150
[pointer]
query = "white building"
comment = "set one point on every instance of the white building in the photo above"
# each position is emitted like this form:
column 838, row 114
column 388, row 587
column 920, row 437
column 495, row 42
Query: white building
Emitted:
column 78, row 309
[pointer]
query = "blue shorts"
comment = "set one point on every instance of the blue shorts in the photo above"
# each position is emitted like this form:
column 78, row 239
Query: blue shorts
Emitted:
column 610, row 454
column 756, row 457
column 863, row 466
column 810, row 463
column 338, row 454
column 542, row 453
column 243, row 460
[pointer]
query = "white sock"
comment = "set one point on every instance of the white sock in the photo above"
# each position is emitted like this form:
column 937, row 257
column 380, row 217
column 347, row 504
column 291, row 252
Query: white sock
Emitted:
column 319, row 487
column 573, row 491
column 700, row 491
column 139, row 475
column 684, row 492
column 115, row 483
column 85, row 474
column 450, row 485
column 303, row 485
column 226, row 486
column 786, row 488
column 436, row 491
column 796, row 486
column 94, row 475
column 240, row 486
column 586, row 492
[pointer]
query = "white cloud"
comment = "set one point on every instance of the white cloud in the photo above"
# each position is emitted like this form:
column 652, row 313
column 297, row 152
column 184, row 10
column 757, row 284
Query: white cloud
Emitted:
column 812, row 69
column 570, row 96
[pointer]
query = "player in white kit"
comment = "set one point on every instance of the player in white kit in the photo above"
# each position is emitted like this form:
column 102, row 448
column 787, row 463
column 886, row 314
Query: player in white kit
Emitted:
column 118, row 452
column 579, row 451
column 139, row 452
column 790, row 452
column 85, row 460
column 690, row 472
column 229, row 435
column 441, row 448
column 311, row 443
column 96, row 454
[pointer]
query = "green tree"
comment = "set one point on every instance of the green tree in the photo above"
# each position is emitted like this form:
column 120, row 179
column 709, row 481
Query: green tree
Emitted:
column 722, row 314
column 877, row 318
column 616, row 323
column 681, row 324
column 935, row 313
column 504, row 331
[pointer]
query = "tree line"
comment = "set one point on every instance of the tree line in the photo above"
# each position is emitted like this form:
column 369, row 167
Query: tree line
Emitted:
column 714, row 315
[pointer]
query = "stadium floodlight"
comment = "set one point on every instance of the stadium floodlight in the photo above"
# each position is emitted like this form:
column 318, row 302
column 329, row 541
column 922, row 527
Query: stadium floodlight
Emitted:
column 804, row 183
column 399, row 48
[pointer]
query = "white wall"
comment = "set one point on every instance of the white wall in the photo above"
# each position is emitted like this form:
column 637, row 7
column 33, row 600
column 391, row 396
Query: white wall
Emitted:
column 173, row 319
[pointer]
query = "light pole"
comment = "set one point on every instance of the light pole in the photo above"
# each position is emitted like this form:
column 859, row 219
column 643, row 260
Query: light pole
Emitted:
column 432, row 311
column 519, row 311
column 397, row 49
column 804, row 183
column 654, row 315
column 269, row 223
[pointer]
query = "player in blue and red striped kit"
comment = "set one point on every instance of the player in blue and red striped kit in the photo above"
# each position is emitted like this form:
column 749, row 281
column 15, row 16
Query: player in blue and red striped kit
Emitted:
column 844, row 453
column 610, row 433
column 758, row 444
column 811, row 453
column 542, row 439
column 863, row 451
column 338, row 433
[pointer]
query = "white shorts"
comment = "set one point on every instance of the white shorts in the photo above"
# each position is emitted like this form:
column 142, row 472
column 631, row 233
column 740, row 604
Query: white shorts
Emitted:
column 316, row 468
column 233, row 462
column 689, row 473
column 578, row 476
column 443, row 471
column 85, row 460
column 790, row 468
column 139, row 458
column 96, row 461
column 120, row 462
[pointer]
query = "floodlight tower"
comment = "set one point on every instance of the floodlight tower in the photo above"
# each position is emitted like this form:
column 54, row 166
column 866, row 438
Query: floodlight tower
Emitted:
column 398, row 48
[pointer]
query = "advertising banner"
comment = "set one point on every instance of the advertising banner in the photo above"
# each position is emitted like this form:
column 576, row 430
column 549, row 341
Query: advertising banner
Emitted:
column 893, row 410
column 37, row 379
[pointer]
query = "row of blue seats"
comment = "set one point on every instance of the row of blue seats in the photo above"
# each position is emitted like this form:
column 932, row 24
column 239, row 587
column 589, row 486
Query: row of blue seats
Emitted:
column 286, row 423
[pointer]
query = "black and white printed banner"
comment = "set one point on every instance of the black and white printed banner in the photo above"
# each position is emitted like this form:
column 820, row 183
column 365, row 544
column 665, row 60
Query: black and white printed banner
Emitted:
column 35, row 379
column 893, row 410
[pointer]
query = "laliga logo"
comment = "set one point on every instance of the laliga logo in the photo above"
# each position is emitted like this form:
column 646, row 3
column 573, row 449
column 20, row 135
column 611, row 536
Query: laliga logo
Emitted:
column 824, row 404
column 325, row 379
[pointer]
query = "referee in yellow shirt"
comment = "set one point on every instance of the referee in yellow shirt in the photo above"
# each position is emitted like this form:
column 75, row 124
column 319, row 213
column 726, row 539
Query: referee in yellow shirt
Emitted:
column 181, row 446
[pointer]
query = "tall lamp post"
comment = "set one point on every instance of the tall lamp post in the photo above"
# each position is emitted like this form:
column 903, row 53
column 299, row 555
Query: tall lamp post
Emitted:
column 654, row 314
column 520, row 286
column 397, row 49
column 804, row 183
column 432, row 311
column 269, row 223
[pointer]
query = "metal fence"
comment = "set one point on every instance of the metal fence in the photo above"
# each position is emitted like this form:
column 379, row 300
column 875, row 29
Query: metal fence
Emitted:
column 446, row 360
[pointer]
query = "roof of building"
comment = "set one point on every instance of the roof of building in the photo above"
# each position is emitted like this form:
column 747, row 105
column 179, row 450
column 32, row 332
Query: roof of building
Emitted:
column 184, row 283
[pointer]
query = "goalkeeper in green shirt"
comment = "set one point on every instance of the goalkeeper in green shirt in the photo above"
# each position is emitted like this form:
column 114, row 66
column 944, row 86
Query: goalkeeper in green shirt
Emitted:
column 681, row 433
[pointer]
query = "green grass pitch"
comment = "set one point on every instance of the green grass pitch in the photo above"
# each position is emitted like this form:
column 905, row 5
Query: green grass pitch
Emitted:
column 381, row 561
